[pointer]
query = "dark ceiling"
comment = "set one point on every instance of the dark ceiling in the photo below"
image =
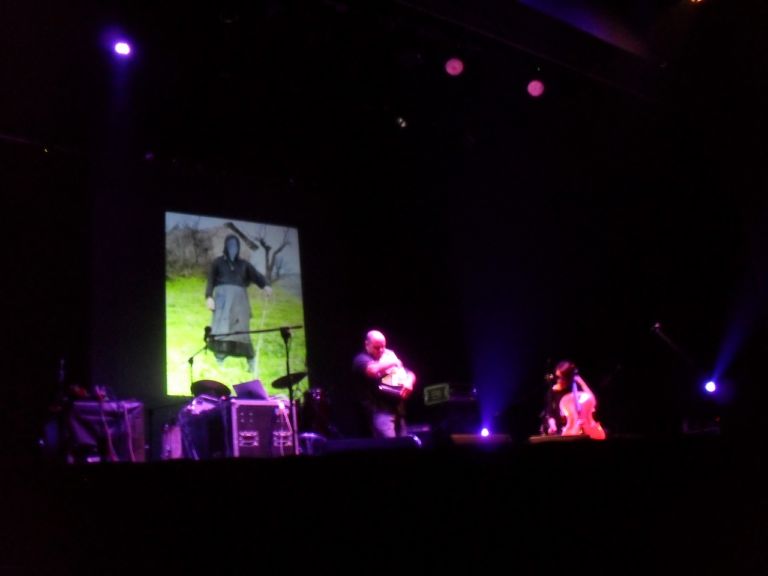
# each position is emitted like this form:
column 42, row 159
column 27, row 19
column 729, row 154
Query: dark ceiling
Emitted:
column 219, row 78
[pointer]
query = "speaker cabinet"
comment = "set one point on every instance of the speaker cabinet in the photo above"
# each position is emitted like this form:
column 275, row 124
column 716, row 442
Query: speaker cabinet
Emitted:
column 105, row 431
column 258, row 428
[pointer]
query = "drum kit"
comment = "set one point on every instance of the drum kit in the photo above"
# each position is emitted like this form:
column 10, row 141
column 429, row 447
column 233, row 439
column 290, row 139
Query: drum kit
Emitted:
column 210, row 394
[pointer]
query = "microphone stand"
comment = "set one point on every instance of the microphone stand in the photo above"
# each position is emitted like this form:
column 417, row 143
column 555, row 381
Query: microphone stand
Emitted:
column 695, row 370
column 215, row 336
column 285, row 332
column 191, row 359
column 656, row 329
column 208, row 337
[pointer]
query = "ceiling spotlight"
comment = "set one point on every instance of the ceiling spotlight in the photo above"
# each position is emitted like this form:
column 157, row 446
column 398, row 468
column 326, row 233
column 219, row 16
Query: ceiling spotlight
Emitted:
column 122, row 48
column 454, row 67
column 535, row 88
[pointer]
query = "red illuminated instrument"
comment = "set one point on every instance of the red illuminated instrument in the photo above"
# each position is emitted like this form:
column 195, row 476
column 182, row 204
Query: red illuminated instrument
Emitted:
column 579, row 407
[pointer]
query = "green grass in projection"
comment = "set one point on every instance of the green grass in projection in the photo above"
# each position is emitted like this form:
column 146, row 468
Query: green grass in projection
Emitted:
column 187, row 317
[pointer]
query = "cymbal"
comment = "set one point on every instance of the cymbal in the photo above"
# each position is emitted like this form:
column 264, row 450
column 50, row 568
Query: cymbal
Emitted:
column 210, row 388
column 289, row 380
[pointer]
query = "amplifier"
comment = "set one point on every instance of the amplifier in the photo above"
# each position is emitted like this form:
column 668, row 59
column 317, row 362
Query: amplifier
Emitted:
column 258, row 428
column 105, row 431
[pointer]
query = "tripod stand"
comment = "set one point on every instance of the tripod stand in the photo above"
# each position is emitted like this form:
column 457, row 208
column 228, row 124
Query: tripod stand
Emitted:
column 289, row 381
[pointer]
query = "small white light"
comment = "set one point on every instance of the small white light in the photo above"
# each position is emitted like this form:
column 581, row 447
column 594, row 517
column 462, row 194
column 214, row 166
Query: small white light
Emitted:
column 122, row 48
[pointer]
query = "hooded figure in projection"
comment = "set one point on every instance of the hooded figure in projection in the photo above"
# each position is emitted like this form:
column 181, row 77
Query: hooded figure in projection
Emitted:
column 226, row 295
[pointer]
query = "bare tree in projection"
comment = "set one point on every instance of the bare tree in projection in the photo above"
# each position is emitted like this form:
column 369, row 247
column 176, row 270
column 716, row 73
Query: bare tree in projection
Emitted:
column 271, row 260
column 200, row 242
column 273, row 263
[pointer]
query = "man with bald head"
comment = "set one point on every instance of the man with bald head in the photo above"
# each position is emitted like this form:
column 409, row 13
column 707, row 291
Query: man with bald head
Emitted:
column 383, row 384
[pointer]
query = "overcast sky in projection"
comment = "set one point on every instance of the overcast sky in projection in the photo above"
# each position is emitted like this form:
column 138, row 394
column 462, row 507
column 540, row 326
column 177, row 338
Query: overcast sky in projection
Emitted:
column 273, row 234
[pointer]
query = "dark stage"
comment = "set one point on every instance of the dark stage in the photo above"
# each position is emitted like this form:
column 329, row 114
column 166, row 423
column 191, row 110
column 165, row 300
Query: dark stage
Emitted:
column 692, row 506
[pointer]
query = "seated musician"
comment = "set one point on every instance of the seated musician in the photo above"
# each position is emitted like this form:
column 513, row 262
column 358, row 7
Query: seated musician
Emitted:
column 570, row 405
column 383, row 384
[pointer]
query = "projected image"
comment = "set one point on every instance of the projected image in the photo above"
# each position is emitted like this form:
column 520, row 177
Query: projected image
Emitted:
column 233, row 304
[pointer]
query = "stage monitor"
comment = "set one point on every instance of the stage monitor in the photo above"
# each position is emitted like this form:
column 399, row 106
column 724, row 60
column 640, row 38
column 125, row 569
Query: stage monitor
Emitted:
column 233, row 302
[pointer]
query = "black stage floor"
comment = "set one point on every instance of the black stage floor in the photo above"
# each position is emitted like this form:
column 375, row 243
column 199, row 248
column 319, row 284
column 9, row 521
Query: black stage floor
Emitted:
column 692, row 505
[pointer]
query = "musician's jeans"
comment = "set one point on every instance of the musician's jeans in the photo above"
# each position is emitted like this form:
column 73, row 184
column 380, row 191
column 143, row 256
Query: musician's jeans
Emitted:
column 387, row 425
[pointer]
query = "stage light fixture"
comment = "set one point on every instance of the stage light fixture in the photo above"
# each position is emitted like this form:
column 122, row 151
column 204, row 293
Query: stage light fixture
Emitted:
column 711, row 386
column 454, row 66
column 535, row 88
column 122, row 48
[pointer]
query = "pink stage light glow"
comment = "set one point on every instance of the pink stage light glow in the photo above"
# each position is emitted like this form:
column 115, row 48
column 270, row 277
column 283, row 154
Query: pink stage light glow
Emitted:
column 535, row 88
column 454, row 67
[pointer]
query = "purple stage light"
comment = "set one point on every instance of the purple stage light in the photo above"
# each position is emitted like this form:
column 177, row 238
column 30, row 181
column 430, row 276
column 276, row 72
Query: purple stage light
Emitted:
column 710, row 386
column 484, row 433
column 122, row 48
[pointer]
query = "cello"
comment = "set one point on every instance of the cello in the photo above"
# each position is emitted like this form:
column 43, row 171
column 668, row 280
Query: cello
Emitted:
column 578, row 407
